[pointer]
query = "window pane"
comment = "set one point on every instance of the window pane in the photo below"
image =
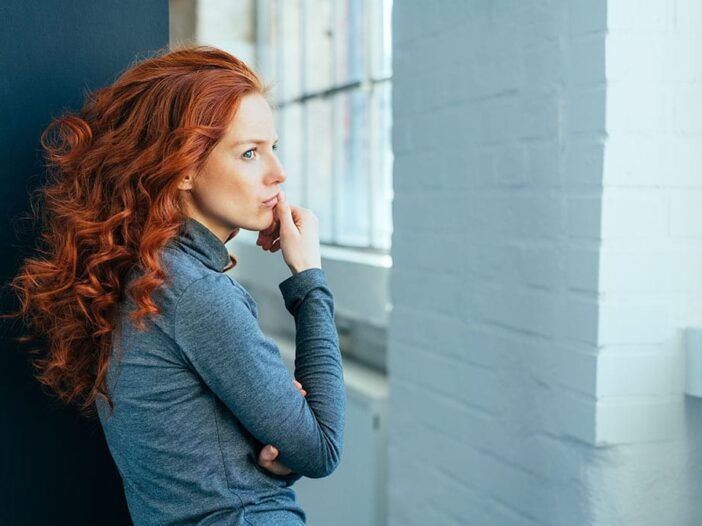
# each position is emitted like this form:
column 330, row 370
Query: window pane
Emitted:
column 353, row 203
column 318, row 45
column 382, row 192
column 267, row 41
column 319, row 164
column 381, row 38
column 290, row 49
column 227, row 25
column 348, row 41
column 336, row 150
column 291, row 151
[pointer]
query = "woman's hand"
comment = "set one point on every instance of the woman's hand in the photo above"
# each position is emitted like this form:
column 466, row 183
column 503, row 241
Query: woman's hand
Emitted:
column 267, row 456
column 269, row 239
column 295, row 231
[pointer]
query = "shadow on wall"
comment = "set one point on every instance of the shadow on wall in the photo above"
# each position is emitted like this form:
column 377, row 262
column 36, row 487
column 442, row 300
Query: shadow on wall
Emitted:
column 56, row 468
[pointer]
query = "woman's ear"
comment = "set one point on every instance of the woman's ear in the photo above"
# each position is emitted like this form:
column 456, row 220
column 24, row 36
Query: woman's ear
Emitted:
column 186, row 182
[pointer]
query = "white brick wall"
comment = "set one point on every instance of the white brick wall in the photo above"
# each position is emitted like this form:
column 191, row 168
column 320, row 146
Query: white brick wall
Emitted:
column 547, row 252
column 650, row 262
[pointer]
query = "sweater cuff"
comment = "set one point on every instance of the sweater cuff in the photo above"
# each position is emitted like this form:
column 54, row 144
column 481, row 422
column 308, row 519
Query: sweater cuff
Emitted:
column 297, row 286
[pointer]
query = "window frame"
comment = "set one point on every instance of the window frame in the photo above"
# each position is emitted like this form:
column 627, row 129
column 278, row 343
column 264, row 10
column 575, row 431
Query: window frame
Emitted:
column 348, row 269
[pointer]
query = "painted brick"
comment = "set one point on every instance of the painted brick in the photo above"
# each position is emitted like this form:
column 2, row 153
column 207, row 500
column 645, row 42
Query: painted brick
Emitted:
column 582, row 269
column 586, row 17
column 546, row 256
column 633, row 214
column 583, row 217
column 634, row 372
column 632, row 319
column 622, row 421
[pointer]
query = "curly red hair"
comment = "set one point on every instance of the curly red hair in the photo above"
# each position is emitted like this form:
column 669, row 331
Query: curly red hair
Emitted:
column 111, row 203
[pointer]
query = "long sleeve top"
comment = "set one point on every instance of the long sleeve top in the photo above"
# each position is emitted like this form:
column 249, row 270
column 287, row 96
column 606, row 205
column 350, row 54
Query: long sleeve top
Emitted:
column 201, row 391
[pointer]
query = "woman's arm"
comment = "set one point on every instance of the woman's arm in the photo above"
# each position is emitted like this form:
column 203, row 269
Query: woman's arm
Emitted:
column 218, row 332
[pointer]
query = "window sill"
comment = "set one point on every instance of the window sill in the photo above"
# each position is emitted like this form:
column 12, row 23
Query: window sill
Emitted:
column 358, row 279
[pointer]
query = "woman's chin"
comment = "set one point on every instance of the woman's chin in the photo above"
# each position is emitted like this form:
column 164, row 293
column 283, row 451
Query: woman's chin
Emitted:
column 268, row 221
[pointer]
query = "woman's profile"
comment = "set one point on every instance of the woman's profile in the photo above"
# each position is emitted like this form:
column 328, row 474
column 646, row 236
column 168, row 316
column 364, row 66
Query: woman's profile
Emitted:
column 143, row 326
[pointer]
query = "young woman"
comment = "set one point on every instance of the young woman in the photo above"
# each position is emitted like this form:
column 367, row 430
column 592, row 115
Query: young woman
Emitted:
column 147, row 184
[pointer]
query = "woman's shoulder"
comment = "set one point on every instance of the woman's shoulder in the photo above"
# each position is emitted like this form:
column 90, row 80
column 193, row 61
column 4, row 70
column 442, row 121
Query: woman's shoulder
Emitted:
column 182, row 269
column 215, row 302
column 180, row 272
column 209, row 287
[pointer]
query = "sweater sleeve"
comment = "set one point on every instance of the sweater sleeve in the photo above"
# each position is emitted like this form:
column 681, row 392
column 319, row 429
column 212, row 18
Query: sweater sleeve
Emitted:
column 218, row 332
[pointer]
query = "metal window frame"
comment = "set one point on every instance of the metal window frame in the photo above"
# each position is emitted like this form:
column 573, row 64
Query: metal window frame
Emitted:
column 367, row 85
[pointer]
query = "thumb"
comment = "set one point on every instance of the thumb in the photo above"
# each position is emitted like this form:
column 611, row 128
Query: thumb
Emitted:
column 270, row 452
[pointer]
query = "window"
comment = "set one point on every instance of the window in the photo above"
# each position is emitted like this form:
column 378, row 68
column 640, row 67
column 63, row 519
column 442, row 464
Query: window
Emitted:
column 331, row 67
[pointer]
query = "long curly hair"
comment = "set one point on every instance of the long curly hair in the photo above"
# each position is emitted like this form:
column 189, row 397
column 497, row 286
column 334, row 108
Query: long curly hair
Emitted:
column 111, row 202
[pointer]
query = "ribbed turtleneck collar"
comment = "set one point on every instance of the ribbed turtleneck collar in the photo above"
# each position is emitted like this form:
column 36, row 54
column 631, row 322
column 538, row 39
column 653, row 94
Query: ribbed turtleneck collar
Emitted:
column 200, row 242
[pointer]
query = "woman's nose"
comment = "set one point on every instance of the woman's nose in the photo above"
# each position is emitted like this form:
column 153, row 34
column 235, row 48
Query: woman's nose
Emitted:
column 279, row 171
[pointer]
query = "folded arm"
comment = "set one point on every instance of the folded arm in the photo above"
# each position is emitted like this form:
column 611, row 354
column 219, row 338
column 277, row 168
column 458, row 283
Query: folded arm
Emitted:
column 217, row 330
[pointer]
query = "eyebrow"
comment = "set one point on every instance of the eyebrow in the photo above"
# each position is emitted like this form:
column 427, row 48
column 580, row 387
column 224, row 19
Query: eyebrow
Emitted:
column 253, row 141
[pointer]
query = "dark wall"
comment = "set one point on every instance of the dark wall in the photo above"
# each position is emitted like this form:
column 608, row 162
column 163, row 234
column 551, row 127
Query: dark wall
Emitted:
column 55, row 467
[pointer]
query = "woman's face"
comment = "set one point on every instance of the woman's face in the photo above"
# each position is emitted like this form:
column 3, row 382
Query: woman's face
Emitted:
column 239, row 174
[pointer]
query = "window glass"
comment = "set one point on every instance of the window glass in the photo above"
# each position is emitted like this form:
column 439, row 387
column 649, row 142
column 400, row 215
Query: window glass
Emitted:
column 289, row 49
column 318, row 39
column 330, row 65
column 353, row 209
column 348, row 42
column 291, row 150
column 318, row 166
column 382, row 159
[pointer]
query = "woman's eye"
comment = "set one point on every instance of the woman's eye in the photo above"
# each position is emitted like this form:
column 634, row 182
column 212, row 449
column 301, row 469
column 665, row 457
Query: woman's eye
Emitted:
column 248, row 154
column 251, row 151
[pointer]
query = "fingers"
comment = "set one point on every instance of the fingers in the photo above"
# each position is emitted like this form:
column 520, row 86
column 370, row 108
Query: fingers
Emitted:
column 267, row 237
column 267, row 242
column 271, row 247
column 266, row 459
column 298, row 385
column 269, row 453
column 283, row 212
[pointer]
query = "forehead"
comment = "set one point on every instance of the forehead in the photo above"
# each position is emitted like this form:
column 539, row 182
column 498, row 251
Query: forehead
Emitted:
column 253, row 120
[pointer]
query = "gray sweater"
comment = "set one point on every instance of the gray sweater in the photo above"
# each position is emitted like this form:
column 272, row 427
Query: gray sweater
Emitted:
column 202, row 390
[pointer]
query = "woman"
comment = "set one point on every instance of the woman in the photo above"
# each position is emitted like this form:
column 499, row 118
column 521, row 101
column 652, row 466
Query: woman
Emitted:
column 147, row 184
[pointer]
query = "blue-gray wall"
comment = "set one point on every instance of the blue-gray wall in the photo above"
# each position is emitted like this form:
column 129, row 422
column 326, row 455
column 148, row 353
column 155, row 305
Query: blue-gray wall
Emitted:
column 55, row 467
column 547, row 248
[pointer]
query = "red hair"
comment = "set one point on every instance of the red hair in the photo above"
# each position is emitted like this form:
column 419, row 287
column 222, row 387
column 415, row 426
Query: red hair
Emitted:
column 111, row 202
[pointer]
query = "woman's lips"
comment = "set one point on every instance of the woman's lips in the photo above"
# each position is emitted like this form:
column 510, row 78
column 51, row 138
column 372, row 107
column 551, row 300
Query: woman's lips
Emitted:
column 271, row 202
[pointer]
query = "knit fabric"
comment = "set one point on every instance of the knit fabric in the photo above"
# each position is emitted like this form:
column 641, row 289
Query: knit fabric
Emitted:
column 201, row 391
